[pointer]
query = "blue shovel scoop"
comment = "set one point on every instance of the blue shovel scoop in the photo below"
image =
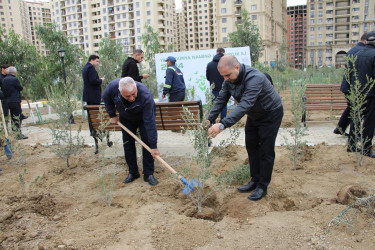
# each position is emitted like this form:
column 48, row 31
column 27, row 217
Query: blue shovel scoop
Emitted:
column 7, row 146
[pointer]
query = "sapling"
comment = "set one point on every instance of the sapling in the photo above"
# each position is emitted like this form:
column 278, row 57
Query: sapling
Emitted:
column 296, row 143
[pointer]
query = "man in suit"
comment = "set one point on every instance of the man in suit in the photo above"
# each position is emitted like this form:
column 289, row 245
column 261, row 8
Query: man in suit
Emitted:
column 12, row 90
column 4, row 72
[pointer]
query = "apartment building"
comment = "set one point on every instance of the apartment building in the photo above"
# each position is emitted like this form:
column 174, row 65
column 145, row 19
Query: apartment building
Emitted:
column 180, row 28
column 297, row 35
column 87, row 22
column 335, row 26
column 210, row 21
column 14, row 15
column 39, row 14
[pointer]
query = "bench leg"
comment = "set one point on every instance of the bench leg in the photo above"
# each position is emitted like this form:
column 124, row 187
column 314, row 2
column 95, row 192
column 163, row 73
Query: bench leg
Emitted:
column 96, row 145
column 109, row 143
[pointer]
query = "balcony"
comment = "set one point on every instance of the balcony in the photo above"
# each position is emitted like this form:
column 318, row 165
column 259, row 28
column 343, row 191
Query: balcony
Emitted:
column 237, row 2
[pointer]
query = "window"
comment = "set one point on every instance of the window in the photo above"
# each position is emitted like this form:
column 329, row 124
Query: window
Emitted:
column 148, row 13
column 253, row 17
column 223, row 10
column 147, row 4
column 224, row 30
column 223, row 1
column 224, row 20
column 253, row 7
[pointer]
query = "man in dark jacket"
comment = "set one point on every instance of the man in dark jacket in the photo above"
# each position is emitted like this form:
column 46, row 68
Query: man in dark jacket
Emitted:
column 214, row 77
column 92, row 84
column 136, row 109
column 174, row 82
column 365, row 74
column 12, row 90
column 130, row 68
column 344, row 121
column 4, row 72
column 258, row 99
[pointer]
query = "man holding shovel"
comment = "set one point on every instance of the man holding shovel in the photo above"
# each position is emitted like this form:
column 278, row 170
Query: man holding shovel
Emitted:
column 258, row 100
column 136, row 109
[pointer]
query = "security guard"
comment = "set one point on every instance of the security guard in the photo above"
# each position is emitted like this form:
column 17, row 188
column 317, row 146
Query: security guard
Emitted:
column 174, row 81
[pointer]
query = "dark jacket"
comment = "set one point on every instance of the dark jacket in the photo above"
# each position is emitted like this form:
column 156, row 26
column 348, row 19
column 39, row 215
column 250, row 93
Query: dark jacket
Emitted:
column 130, row 68
column 1, row 86
column 174, row 81
column 1, row 95
column 92, row 89
column 12, row 89
column 365, row 67
column 254, row 93
column 212, row 73
column 142, row 109
column 344, row 84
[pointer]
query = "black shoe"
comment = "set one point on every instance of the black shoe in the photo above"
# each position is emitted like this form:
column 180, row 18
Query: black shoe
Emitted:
column 337, row 131
column 247, row 188
column 24, row 117
column 131, row 177
column 150, row 179
column 258, row 194
column 22, row 137
column 369, row 153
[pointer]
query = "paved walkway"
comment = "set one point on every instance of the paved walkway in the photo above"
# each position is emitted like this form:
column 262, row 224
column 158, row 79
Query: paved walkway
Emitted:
column 173, row 143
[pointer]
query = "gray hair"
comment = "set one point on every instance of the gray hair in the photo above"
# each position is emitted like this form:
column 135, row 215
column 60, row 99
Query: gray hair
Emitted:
column 126, row 83
column 12, row 70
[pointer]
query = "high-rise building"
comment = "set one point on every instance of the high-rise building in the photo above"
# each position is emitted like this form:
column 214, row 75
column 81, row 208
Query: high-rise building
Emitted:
column 87, row 22
column 297, row 32
column 180, row 29
column 210, row 22
column 334, row 26
column 14, row 16
column 39, row 14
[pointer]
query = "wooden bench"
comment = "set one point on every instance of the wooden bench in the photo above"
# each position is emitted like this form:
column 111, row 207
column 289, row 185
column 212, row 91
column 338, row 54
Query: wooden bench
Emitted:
column 322, row 97
column 169, row 116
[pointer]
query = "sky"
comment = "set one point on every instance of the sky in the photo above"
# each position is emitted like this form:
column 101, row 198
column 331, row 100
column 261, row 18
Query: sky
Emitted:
column 288, row 3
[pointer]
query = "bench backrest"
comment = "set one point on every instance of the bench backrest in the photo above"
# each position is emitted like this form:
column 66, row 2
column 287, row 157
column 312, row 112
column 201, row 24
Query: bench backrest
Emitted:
column 324, row 96
column 169, row 115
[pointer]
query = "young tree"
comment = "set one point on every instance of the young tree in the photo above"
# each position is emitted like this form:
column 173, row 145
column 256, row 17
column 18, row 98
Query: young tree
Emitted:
column 111, row 59
column 247, row 34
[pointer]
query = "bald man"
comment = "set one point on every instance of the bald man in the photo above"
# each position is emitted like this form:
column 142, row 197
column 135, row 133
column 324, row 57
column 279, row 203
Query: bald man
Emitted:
column 258, row 100
column 136, row 109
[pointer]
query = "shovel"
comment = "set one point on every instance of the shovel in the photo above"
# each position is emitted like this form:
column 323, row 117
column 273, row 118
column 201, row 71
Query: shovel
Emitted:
column 7, row 147
column 189, row 185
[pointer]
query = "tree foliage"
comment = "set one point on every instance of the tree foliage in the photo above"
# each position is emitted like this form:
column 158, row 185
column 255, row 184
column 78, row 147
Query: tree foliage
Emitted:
column 247, row 34
column 111, row 59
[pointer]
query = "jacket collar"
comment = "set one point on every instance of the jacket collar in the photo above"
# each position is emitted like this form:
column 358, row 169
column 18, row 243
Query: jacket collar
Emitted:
column 240, row 75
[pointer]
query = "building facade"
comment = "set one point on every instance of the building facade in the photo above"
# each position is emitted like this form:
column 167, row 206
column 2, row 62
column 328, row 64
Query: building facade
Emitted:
column 297, row 34
column 39, row 14
column 14, row 16
column 335, row 26
column 87, row 22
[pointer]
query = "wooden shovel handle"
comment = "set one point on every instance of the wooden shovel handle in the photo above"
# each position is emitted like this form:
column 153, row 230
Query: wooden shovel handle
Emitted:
column 3, row 118
column 147, row 147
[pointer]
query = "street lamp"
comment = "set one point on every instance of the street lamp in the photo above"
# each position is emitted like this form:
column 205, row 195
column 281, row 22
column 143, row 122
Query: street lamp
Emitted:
column 61, row 52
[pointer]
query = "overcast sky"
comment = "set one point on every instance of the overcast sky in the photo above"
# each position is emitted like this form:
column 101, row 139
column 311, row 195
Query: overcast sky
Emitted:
column 288, row 3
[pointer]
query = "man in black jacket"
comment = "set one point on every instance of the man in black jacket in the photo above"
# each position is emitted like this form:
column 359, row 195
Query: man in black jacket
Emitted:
column 365, row 74
column 130, row 68
column 4, row 72
column 12, row 90
column 258, row 100
column 214, row 77
column 136, row 109
column 92, row 84
column 344, row 121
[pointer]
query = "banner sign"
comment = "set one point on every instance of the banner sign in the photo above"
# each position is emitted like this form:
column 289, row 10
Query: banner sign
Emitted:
column 193, row 66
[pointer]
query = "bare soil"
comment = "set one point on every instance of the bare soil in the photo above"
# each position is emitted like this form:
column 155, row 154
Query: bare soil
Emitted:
column 66, row 210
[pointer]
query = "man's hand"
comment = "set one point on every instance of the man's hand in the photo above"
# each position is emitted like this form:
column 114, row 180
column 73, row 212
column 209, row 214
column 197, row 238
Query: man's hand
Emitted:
column 163, row 96
column 154, row 152
column 102, row 79
column 206, row 124
column 145, row 76
column 114, row 120
column 214, row 130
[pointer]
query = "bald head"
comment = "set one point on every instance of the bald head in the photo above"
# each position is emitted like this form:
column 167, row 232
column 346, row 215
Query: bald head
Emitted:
column 229, row 68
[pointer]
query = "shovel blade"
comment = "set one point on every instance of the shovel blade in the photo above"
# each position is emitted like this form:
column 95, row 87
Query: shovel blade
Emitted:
column 7, row 149
column 189, row 185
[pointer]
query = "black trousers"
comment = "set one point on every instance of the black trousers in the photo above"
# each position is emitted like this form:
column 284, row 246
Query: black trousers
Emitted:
column 368, row 125
column 92, row 131
column 344, row 121
column 130, row 149
column 4, row 104
column 15, row 112
column 260, row 138
column 177, row 97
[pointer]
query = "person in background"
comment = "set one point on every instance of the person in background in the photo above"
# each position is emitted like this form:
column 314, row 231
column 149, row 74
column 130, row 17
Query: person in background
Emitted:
column 136, row 108
column 257, row 99
column 130, row 68
column 214, row 77
column 12, row 90
column 174, row 81
column 4, row 72
column 344, row 121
